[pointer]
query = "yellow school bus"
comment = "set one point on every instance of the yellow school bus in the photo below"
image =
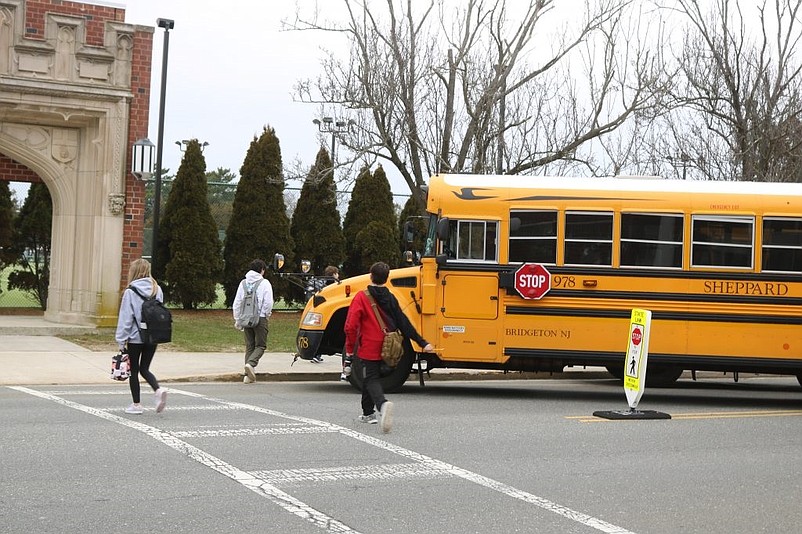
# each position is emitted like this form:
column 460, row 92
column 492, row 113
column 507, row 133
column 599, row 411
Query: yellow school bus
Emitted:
column 719, row 265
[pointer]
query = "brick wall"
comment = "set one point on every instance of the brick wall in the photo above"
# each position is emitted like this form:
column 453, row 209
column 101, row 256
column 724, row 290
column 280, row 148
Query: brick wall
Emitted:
column 11, row 171
column 137, row 129
column 96, row 17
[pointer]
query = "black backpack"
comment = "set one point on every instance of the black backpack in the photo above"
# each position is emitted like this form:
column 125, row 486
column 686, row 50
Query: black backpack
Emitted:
column 157, row 321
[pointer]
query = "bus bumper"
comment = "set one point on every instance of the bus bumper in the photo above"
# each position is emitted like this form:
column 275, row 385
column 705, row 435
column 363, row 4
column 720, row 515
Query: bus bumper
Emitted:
column 307, row 342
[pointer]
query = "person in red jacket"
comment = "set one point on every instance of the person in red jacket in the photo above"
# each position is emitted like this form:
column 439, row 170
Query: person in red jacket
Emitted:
column 362, row 330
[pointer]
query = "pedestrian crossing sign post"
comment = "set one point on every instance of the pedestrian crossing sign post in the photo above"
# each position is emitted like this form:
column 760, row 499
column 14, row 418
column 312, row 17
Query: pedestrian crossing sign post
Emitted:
column 637, row 355
column 635, row 360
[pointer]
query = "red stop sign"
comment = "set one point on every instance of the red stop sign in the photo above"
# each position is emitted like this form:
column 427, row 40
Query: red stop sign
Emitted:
column 532, row 281
column 637, row 336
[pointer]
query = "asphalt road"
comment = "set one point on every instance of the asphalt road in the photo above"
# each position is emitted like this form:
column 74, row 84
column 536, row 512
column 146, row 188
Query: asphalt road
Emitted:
column 463, row 457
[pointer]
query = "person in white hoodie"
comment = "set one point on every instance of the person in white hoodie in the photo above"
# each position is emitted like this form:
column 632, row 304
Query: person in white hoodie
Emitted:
column 129, row 338
column 255, row 337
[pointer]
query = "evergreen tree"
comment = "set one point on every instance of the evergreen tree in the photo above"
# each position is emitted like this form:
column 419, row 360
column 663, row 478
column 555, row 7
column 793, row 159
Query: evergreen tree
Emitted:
column 371, row 201
column 6, row 225
column 189, row 246
column 150, row 201
column 30, row 247
column 259, row 225
column 315, row 226
column 378, row 241
column 415, row 213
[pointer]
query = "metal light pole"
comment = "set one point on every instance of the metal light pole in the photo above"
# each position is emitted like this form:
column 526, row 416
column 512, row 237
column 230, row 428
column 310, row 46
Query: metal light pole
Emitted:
column 329, row 125
column 168, row 25
column 680, row 160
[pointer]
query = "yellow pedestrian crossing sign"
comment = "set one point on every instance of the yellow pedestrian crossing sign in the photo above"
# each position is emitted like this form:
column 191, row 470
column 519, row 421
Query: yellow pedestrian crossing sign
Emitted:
column 636, row 356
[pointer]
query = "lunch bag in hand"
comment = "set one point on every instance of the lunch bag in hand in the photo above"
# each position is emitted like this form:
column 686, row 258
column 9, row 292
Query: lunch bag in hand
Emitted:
column 120, row 367
column 392, row 346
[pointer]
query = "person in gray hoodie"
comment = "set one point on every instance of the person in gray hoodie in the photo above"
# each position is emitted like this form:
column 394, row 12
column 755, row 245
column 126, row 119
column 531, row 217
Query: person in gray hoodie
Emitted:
column 255, row 337
column 129, row 337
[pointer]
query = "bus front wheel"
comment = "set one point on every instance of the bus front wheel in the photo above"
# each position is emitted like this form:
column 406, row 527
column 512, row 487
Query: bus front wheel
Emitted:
column 392, row 378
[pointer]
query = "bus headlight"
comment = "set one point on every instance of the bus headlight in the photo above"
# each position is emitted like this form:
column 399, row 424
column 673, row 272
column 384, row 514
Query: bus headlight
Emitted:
column 312, row 319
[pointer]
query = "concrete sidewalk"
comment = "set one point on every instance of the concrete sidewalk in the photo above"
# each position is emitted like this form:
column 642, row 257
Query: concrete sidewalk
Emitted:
column 31, row 360
column 39, row 360
column 31, row 354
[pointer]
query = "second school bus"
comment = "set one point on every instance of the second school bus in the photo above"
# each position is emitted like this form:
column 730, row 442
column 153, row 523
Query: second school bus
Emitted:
column 719, row 265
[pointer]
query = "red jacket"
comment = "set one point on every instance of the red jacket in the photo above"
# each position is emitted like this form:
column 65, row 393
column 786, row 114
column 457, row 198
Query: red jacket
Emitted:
column 361, row 325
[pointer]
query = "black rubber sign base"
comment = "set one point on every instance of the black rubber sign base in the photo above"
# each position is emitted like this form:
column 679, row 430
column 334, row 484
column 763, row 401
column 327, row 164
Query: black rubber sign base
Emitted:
column 621, row 415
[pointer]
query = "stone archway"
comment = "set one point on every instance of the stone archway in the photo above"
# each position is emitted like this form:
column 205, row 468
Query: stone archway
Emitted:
column 74, row 93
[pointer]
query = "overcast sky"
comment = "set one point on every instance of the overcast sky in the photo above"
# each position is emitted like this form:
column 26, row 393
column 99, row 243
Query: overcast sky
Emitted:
column 230, row 72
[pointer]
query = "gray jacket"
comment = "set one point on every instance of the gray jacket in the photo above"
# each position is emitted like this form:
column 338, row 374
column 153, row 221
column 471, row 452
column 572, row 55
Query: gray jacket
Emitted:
column 131, row 311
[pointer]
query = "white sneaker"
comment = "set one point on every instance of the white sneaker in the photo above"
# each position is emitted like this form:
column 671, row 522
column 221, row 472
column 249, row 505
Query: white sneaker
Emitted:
column 160, row 399
column 249, row 372
column 369, row 419
column 135, row 409
column 386, row 417
column 247, row 379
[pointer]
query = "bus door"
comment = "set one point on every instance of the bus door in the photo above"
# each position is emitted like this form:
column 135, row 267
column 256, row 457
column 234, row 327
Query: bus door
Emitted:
column 467, row 325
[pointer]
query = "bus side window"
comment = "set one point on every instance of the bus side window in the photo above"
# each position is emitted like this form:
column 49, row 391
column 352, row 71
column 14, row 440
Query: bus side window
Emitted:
column 782, row 244
column 722, row 241
column 533, row 238
column 589, row 238
column 651, row 240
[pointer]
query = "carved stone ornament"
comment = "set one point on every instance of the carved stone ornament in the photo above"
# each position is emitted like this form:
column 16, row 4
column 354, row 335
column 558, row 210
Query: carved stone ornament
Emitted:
column 116, row 203
column 65, row 145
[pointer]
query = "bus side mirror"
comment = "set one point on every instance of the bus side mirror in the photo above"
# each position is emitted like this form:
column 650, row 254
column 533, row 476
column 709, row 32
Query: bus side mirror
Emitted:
column 409, row 231
column 442, row 229
column 515, row 224
column 278, row 262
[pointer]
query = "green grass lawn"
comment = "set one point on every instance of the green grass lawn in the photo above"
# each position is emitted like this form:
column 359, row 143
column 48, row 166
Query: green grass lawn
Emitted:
column 14, row 298
column 207, row 331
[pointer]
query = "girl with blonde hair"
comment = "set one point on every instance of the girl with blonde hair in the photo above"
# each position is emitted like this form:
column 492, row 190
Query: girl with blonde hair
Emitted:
column 129, row 337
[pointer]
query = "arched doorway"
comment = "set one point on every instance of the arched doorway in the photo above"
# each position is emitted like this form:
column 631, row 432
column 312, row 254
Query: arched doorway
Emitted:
column 74, row 95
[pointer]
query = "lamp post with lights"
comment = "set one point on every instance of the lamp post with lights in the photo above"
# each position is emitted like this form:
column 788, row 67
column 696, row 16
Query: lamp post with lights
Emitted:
column 168, row 25
column 333, row 127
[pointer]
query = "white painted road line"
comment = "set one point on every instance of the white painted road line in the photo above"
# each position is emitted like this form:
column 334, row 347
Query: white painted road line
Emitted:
column 275, row 430
column 434, row 464
column 253, row 483
column 375, row 472
column 263, row 485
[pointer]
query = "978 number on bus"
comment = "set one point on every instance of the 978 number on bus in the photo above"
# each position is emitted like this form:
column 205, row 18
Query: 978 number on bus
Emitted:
column 563, row 281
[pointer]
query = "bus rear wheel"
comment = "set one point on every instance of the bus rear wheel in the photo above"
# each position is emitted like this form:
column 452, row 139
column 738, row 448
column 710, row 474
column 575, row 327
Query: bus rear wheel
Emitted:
column 616, row 370
column 660, row 375
column 657, row 375
column 392, row 378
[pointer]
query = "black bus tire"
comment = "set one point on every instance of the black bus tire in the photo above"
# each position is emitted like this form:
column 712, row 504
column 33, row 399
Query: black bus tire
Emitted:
column 616, row 370
column 661, row 375
column 392, row 377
